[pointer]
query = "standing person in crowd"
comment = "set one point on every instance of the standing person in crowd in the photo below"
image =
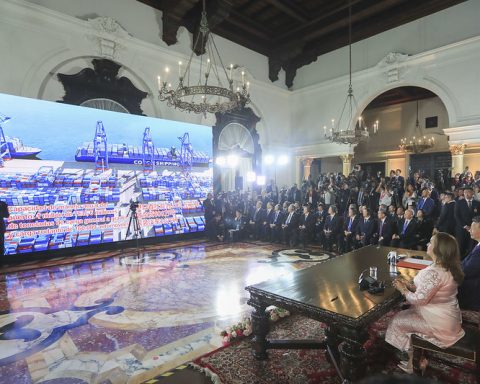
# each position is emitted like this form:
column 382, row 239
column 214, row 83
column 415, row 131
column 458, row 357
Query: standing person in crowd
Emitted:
column 426, row 203
column 410, row 196
column 209, row 213
column 446, row 220
column 468, row 296
column 4, row 214
column 434, row 313
column 465, row 210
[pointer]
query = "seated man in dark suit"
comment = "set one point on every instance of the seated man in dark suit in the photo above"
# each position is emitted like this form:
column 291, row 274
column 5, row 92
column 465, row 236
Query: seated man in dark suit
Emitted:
column 332, row 229
column 306, row 226
column 321, row 217
column 235, row 229
column 367, row 228
column 256, row 221
column 406, row 229
column 290, row 227
column 276, row 224
column 350, row 228
column 268, row 217
column 468, row 296
column 385, row 229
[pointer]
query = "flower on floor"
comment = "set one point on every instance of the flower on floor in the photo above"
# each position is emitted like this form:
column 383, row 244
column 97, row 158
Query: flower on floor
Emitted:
column 244, row 328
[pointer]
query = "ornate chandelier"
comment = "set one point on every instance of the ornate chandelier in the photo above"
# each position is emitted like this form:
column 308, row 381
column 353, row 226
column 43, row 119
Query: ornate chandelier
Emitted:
column 418, row 143
column 345, row 131
column 211, row 88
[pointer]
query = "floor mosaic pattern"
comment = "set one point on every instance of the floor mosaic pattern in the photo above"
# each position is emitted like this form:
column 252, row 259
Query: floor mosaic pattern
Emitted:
column 129, row 317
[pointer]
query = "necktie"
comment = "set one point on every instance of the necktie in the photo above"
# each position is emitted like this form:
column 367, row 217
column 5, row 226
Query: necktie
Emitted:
column 405, row 225
column 350, row 225
column 469, row 204
column 276, row 216
column 288, row 219
column 365, row 221
column 381, row 227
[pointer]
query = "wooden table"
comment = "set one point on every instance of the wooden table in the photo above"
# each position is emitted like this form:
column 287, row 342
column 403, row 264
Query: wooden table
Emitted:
column 329, row 292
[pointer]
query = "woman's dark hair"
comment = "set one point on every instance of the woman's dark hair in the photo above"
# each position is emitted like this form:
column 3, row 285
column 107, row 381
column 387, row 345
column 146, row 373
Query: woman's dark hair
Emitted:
column 445, row 249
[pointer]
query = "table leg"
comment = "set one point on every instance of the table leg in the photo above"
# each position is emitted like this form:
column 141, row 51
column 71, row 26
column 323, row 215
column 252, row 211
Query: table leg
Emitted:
column 353, row 357
column 332, row 341
column 260, row 328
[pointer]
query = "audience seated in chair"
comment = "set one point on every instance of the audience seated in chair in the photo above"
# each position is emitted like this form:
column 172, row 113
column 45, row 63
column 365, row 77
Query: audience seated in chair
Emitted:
column 468, row 292
column 405, row 231
column 434, row 314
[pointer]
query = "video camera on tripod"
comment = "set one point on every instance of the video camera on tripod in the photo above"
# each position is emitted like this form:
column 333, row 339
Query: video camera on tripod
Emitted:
column 133, row 205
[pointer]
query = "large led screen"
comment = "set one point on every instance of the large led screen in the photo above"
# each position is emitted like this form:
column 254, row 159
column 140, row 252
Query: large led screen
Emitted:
column 74, row 176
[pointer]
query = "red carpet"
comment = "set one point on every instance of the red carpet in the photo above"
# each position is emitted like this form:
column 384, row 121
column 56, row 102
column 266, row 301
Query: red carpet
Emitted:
column 235, row 364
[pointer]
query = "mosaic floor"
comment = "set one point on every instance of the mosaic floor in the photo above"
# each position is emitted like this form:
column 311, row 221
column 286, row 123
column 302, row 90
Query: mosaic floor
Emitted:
column 127, row 318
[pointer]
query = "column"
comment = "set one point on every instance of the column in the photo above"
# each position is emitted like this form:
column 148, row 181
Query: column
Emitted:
column 298, row 171
column 457, row 151
column 307, row 166
column 347, row 163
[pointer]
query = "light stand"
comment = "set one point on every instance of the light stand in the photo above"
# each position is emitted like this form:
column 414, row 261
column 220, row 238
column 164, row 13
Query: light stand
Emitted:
column 133, row 223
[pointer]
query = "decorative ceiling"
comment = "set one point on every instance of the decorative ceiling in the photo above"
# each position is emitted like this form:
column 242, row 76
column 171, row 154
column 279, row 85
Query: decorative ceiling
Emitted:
column 292, row 33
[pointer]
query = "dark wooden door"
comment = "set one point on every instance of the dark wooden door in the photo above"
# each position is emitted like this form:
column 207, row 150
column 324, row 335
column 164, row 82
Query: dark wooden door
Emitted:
column 429, row 164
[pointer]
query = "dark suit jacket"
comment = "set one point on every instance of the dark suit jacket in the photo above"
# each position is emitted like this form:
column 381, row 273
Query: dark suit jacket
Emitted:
column 334, row 224
column 293, row 224
column 258, row 216
column 424, row 229
column 463, row 215
column 355, row 224
column 367, row 229
column 385, row 231
column 426, row 206
column 407, row 239
column 446, row 220
column 468, row 296
column 269, row 216
column 209, row 209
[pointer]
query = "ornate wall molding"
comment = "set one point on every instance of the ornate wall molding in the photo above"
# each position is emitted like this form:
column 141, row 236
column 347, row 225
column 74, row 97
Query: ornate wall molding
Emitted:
column 102, row 82
column 457, row 149
column 107, row 34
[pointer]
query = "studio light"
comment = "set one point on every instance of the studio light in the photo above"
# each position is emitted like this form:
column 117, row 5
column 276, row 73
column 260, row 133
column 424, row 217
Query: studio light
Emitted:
column 251, row 177
column 261, row 180
column 220, row 161
column 269, row 159
column 232, row 160
column 283, row 160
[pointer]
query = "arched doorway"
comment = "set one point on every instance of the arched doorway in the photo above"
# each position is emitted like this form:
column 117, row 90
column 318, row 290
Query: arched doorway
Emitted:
column 396, row 110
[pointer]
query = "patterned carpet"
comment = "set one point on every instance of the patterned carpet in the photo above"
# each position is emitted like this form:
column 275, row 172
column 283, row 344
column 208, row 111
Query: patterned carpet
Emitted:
column 235, row 364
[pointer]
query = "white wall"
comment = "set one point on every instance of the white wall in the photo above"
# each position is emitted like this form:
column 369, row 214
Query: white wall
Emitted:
column 451, row 25
column 44, row 37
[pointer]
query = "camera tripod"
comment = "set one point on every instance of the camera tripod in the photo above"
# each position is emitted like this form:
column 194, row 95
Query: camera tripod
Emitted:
column 135, row 225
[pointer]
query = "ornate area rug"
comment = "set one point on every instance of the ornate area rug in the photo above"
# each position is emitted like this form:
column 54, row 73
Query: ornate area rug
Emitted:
column 235, row 364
